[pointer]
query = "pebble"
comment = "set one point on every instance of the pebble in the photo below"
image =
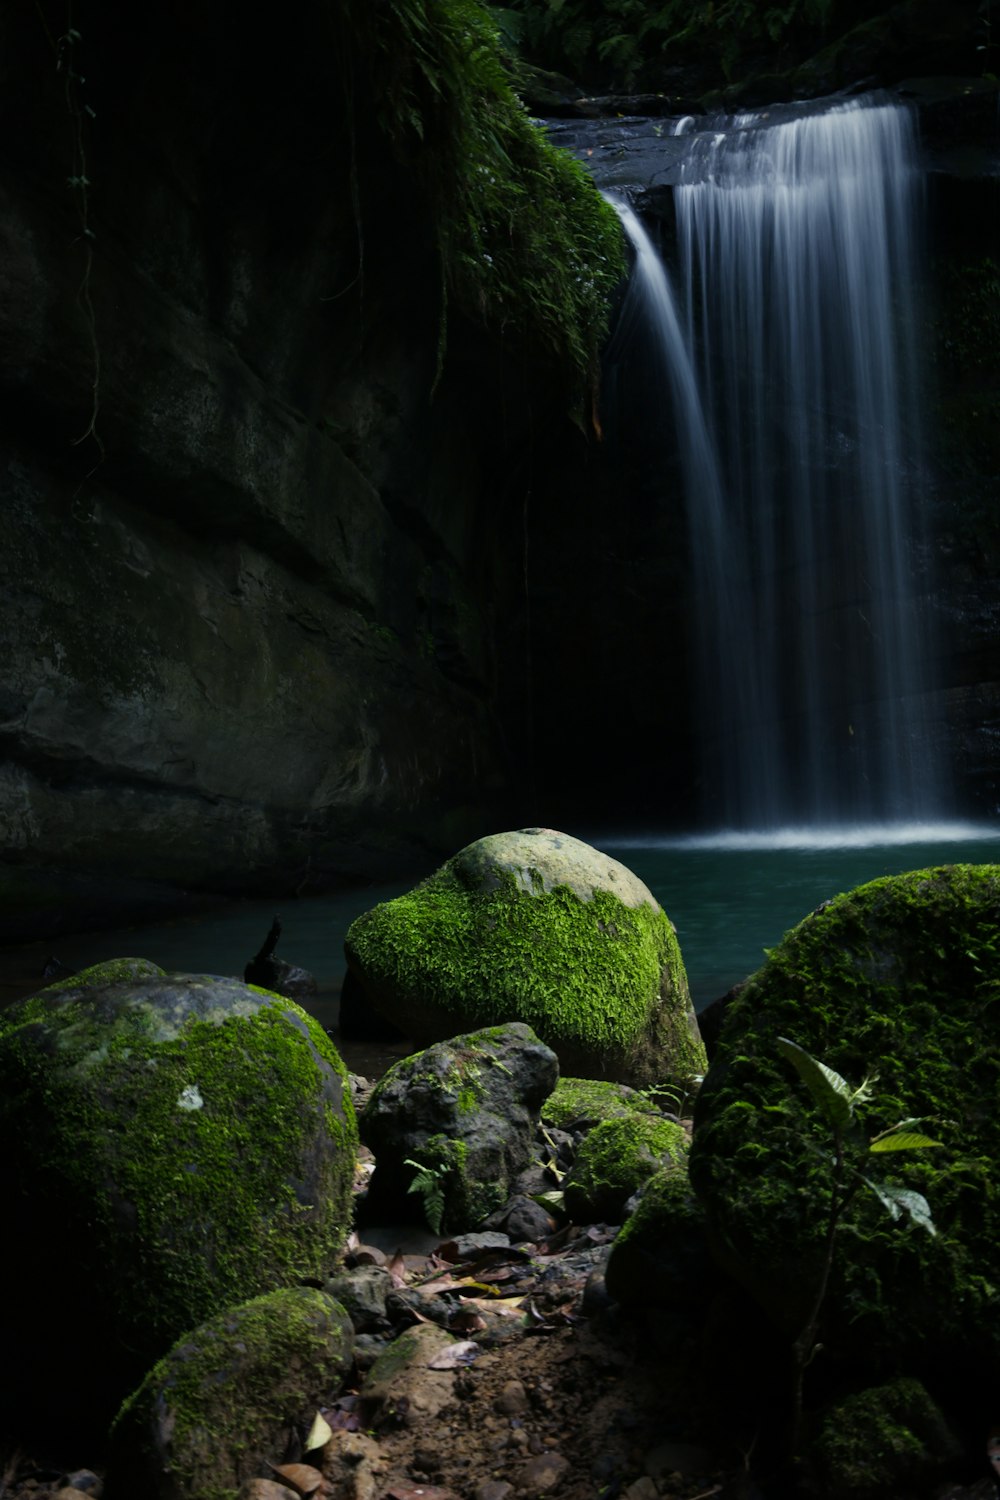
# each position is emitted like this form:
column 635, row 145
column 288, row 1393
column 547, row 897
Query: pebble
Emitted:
column 493, row 1489
column 263, row 1489
column 642, row 1489
column 513, row 1399
column 542, row 1473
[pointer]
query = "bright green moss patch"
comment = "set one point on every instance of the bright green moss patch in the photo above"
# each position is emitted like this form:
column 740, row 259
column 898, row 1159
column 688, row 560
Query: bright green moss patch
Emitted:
column 586, row 1101
column 111, row 971
column 599, row 980
column 901, row 978
column 615, row 1159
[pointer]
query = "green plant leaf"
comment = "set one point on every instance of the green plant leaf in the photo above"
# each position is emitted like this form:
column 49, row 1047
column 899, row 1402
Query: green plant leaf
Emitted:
column 899, row 1200
column 901, row 1139
column 832, row 1094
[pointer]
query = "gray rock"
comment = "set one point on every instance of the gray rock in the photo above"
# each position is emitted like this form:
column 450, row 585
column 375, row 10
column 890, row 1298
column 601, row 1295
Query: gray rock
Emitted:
column 362, row 1291
column 218, row 1407
column 465, row 1111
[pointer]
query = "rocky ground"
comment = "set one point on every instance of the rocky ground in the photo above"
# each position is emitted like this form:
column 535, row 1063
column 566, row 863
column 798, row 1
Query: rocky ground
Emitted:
column 510, row 1375
column 549, row 1392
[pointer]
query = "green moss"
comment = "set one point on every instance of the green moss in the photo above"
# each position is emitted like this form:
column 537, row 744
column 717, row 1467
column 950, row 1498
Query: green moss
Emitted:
column 616, row 1158
column 199, row 1123
column 901, row 977
column 111, row 971
column 580, row 973
column 586, row 1101
column 886, row 1441
column 528, row 245
column 225, row 1395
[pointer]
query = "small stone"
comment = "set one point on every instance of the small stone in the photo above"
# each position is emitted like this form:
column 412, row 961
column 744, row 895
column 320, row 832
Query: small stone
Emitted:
column 542, row 1473
column 263, row 1489
column 493, row 1489
column 85, row 1479
column 512, row 1400
column 641, row 1489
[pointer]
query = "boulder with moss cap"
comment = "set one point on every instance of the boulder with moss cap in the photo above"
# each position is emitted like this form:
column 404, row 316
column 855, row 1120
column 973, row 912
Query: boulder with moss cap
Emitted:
column 538, row 927
column 900, row 980
column 168, row 1145
column 219, row 1407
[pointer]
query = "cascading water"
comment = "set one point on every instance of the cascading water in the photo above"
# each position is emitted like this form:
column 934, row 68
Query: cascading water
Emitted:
column 792, row 372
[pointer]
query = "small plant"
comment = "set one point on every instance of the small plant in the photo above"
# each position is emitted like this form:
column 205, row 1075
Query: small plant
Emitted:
column 837, row 1101
column 429, row 1183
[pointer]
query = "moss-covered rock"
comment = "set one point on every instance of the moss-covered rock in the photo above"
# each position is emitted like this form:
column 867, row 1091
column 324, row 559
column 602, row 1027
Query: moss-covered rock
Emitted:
column 218, row 1407
column 901, row 978
column 614, row 1161
column 660, row 1257
column 581, row 1103
column 171, row 1145
column 890, row 1440
column 451, row 1127
column 538, row 927
column 111, row 971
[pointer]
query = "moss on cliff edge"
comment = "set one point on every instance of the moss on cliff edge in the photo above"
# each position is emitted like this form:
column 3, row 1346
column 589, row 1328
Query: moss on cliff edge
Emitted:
column 528, row 245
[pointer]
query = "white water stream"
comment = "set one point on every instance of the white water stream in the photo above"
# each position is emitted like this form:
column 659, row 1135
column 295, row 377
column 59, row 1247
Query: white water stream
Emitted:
column 790, row 363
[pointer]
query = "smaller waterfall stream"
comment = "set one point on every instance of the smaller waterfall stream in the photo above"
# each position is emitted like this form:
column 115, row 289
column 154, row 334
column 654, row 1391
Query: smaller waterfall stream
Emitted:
column 791, row 368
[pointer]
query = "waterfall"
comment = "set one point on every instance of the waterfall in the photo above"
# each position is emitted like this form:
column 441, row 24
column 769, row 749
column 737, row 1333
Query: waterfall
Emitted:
column 790, row 361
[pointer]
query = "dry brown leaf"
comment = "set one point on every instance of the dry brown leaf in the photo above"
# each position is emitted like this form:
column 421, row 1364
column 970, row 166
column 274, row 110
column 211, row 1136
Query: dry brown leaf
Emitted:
column 397, row 1269
column 302, row 1479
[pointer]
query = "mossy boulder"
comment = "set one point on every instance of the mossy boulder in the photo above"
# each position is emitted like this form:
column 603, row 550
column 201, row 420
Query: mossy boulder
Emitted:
column 168, row 1145
column 889, row 1440
column 452, row 1126
column 660, row 1257
column 538, row 927
column 578, row 1104
column 217, row 1409
column 899, row 978
column 614, row 1161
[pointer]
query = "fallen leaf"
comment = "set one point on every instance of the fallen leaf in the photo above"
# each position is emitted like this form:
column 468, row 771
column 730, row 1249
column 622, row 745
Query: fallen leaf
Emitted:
column 461, row 1353
column 303, row 1479
column 397, row 1269
column 503, row 1307
column 320, row 1433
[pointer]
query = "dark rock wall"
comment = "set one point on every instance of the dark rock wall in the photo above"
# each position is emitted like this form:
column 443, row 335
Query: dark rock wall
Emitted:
column 252, row 610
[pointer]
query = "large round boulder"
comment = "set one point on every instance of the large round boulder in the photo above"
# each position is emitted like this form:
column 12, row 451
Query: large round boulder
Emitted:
column 168, row 1146
column 538, row 927
column 898, row 981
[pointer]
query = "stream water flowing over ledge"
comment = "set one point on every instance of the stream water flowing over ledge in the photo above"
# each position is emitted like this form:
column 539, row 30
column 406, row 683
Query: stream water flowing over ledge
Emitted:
column 790, row 357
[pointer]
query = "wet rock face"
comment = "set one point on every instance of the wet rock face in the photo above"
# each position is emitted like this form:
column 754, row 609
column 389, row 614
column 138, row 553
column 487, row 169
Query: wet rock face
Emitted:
column 226, row 611
column 172, row 1144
